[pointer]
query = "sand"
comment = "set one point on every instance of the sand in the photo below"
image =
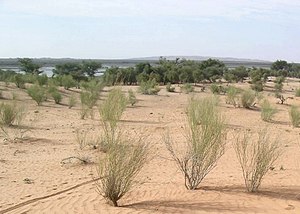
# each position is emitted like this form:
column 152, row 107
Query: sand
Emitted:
column 33, row 178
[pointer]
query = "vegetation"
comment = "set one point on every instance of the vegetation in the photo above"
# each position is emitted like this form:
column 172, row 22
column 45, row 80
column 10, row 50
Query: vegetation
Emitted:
column 248, row 98
column 187, row 88
column 149, row 87
column 28, row 66
column 19, row 81
column 170, row 88
column 232, row 96
column 295, row 116
column 10, row 114
column 204, row 144
column 37, row 93
column 72, row 101
column 267, row 111
column 297, row 92
column 131, row 97
column 256, row 156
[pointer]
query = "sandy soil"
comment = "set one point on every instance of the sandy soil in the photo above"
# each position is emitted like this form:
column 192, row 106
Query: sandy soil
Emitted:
column 34, row 180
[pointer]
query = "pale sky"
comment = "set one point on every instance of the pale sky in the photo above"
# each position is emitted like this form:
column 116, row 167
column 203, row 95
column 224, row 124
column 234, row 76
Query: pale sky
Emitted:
column 255, row 29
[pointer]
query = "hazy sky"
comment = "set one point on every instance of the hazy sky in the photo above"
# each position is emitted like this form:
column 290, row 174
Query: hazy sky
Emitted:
column 257, row 29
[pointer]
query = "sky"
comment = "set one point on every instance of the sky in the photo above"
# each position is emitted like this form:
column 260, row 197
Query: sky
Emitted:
column 114, row 29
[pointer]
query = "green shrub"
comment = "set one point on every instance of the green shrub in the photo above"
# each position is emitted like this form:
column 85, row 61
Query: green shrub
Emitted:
column 67, row 81
column 10, row 114
column 267, row 111
column 57, row 97
column 72, row 101
column 257, row 86
column 297, row 92
column 248, row 98
column 205, row 141
column 88, row 101
column 170, row 88
column 232, row 95
column 256, row 156
column 187, row 88
column 37, row 93
column 149, row 87
column 131, row 97
column 93, row 86
column 42, row 79
column 19, row 81
column 215, row 89
column 295, row 116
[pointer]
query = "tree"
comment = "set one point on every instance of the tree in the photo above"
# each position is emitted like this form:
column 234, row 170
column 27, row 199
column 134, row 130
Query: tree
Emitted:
column 73, row 69
column 28, row 66
column 90, row 67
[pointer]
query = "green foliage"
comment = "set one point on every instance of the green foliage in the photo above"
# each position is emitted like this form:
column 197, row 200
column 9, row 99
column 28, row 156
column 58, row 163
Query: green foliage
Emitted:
column 131, row 97
column 19, row 81
column 217, row 89
column 57, row 97
column 28, row 66
column 10, row 114
column 232, row 95
column 42, row 79
column 295, row 116
column 72, row 101
column 256, row 156
column 88, row 99
column 236, row 75
column 205, row 142
column 187, row 88
column 297, row 94
column 149, row 87
column 90, row 67
column 248, row 98
column 67, row 81
column 267, row 111
column 279, row 83
column 170, row 88
column 37, row 93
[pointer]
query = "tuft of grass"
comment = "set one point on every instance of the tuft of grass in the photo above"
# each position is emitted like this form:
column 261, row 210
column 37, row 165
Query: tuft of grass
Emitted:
column 72, row 101
column 37, row 93
column 10, row 114
column 19, row 81
column 205, row 141
column 248, row 98
column 170, row 88
column 295, row 116
column 256, row 155
column 57, row 97
column 232, row 95
column 149, row 87
column 267, row 111
column 131, row 97
column 187, row 88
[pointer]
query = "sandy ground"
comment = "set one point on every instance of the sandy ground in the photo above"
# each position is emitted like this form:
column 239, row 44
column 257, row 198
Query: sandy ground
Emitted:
column 34, row 180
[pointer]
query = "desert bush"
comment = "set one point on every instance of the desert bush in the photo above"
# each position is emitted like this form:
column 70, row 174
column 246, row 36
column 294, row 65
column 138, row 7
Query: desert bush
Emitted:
column 14, row 95
column 67, row 81
column 131, row 97
column 10, row 114
column 248, row 98
column 295, row 116
column 111, row 111
column 72, row 101
column 187, row 88
column 297, row 93
column 256, row 155
column 149, row 87
column 37, row 93
column 19, row 81
column 118, row 169
column 279, row 83
column 57, row 97
column 170, row 88
column 88, row 101
column 217, row 89
column 232, row 95
column 205, row 141
column 41, row 79
column 93, row 86
column 267, row 111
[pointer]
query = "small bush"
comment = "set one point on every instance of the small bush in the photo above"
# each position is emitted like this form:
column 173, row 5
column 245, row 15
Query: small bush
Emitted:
column 67, row 81
column 72, row 101
column 42, row 79
column 149, row 87
column 57, row 97
column 297, row 92
column 256, row 156
column 232, row 95
column 215, row 89
column 10, row 114
column 37, row 93
column 248, row 98
column 170, row 88
column 267, row 111
column 118, row 169
column 295, row 116
column 19, row 81
column 205, row 142
column 88, row 101
column 187, row 88
column 131, row 97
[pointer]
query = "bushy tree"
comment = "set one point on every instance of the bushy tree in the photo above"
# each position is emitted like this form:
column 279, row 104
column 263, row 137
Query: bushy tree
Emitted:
column 28, row 66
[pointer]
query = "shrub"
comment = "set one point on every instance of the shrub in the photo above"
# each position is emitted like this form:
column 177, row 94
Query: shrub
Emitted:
column 93, row 86
column 41, row 79
column 267, row 111
column 118, row 169
column 10, row 114
column 215, row 89
column 19, row 81
column 111, row 111
column 232, row 95
column 295, row 116
column 170, row 88
column 297, row 92
column 256, row 156
column 67, row 81
column 248, row 98
column 88, row 101
column 72, row 101
column 187, row 88
column 37, row 93
column 149, row 87
column 205, row 141
column 279, row 83
column 257, row 86
column 131, row 97
column 57, row 97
